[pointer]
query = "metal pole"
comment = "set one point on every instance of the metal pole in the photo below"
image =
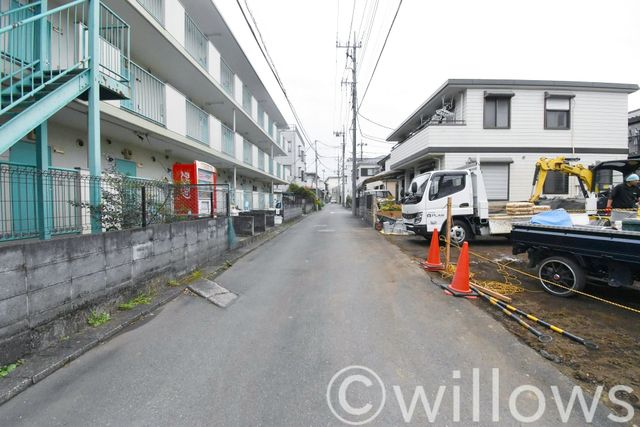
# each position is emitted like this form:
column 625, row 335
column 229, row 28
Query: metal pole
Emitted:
column 144, row 206
column 212, row 211
column 95, row 167
column 342, row 176
column 448, row 236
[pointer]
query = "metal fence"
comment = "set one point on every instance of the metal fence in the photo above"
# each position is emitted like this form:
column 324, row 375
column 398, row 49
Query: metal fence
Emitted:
column 36, row 203
column 195, row 41
column 197, row 123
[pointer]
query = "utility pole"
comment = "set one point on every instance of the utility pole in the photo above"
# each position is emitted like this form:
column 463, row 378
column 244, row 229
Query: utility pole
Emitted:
column 351, row 53
column 316, row 144
column 362, row 144
column 341, row 173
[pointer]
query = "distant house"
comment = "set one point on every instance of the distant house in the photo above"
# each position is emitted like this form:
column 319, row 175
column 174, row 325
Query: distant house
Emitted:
column 634, row 133
column 507, row 125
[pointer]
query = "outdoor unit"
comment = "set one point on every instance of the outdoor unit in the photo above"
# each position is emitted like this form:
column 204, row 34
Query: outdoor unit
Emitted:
column 195, row 193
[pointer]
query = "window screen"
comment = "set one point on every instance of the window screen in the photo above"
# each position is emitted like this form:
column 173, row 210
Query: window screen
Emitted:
column 497, row 112
column 557, row 113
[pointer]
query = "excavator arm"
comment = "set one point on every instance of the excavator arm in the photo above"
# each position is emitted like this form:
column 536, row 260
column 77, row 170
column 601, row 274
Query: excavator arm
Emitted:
column 559, row 164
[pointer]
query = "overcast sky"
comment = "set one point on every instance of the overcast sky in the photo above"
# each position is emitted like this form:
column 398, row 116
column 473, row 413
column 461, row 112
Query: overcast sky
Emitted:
column 431, row 42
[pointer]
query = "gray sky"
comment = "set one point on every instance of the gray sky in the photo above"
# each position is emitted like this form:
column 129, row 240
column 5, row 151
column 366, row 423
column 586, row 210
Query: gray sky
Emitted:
column 431, row 41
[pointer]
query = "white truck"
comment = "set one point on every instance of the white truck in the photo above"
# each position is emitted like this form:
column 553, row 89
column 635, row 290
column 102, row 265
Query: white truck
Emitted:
column 424, row 207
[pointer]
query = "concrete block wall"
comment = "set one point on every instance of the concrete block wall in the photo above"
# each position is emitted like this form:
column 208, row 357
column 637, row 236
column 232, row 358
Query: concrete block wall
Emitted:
column 42, row 281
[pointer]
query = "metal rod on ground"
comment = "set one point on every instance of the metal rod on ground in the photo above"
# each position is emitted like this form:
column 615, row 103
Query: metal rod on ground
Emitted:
column 541, row 337
column 586, row 343
column 493, row 293
column 448, row 236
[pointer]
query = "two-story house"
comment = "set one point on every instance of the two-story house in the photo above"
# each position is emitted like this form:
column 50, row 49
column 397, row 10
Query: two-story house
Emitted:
column 508, row 125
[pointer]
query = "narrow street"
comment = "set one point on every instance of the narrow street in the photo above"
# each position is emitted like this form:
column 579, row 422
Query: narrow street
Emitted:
column 327, row 294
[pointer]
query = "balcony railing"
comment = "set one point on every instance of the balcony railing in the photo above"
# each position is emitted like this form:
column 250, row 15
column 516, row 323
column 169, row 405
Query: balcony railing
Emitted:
column 197, row 123
column 227, row 78
column 247, row 152
column 228, row 141
column 195, row 41
column 155, row 8
column 116, row 45
column 147, row 96
column 260, row 159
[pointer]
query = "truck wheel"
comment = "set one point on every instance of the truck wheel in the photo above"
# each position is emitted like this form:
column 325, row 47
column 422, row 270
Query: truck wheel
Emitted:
column 565, row 272
column 460, row 232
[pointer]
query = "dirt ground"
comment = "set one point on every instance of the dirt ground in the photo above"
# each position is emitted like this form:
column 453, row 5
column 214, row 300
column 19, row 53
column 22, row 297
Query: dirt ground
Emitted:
column 614, row 330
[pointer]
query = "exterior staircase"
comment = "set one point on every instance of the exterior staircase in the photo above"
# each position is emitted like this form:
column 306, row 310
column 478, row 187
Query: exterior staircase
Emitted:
column 41, row 72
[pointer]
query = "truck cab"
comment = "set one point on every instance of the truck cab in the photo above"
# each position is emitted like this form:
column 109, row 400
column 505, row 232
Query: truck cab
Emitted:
column 424, row 207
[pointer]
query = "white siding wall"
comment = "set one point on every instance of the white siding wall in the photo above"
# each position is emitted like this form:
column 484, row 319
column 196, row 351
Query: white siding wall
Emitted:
column 215, row 133
column 174, row 19
column 239, row 146
column 176, row 111
column 214, row 62
column 598, row 121
column 523, row 167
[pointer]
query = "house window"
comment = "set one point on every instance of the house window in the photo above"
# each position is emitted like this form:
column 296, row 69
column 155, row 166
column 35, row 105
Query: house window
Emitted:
column 557, row 113
column 556, row 183
column 497, row 112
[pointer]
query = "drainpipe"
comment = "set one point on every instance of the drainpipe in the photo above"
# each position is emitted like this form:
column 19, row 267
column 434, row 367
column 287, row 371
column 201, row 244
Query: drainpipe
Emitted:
column 234, row 123
column 95, row 167
column 234, row 185
column 42, row 144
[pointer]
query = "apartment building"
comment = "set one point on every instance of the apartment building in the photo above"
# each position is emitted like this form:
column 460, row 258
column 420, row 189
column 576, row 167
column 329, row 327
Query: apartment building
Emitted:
column 509, row 124
column 293, row 163
column 173, row 84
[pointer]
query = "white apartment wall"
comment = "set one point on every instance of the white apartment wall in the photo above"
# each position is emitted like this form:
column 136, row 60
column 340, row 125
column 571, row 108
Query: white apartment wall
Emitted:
column 238, row 90
column 176, row 111
column 214, row 62
column 174, row 19
column 254, row 108
column 215, row 133
column 598, row 121
column 239, row 146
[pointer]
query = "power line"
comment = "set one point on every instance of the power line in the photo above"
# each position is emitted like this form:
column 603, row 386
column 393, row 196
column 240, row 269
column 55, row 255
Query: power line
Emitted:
column 375, row 123
column 271, row 65
column 380, row 55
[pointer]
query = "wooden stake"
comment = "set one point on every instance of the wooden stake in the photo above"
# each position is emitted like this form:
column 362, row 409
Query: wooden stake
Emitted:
column 448, row 235
column 494, row 294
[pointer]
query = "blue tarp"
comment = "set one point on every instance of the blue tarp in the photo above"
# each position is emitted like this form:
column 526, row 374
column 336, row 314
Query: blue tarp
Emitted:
column 557, row 217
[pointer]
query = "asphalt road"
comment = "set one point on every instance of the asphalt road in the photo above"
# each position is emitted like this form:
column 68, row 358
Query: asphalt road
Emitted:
column 326, row 294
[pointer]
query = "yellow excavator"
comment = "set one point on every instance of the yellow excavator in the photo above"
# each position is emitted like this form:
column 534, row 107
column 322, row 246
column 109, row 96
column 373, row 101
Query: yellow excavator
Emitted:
column 564, row 165
column 588, row 177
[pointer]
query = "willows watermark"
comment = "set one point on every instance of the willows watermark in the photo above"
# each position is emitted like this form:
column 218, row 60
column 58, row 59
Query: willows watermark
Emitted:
column 356, row 395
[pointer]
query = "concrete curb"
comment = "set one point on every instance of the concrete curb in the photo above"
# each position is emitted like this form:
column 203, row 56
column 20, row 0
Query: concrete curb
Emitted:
column 39, row 366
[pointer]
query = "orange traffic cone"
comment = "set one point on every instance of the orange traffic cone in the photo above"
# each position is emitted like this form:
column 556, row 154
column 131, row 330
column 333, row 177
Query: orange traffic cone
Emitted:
column 459, row 287
column 433, row 263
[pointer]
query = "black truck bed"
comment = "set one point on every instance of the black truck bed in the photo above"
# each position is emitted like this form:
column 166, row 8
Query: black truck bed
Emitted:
column 584, row 241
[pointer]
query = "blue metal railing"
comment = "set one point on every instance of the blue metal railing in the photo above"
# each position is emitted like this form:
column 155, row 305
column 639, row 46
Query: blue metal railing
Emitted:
column 195, row 42
column 38, row 49
column 147, row 95
column 23, row 33
column 197, row 123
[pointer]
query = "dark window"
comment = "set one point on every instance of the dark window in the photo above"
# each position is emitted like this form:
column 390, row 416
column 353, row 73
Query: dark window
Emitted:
column 497, row 112
column 446, row 185
column 556, row 183
column 557, row 113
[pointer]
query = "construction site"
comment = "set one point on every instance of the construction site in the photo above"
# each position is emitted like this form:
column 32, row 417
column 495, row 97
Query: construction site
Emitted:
column 559, row 273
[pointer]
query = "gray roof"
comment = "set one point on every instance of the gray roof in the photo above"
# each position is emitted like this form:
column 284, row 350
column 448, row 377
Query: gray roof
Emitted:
column 414, row 120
